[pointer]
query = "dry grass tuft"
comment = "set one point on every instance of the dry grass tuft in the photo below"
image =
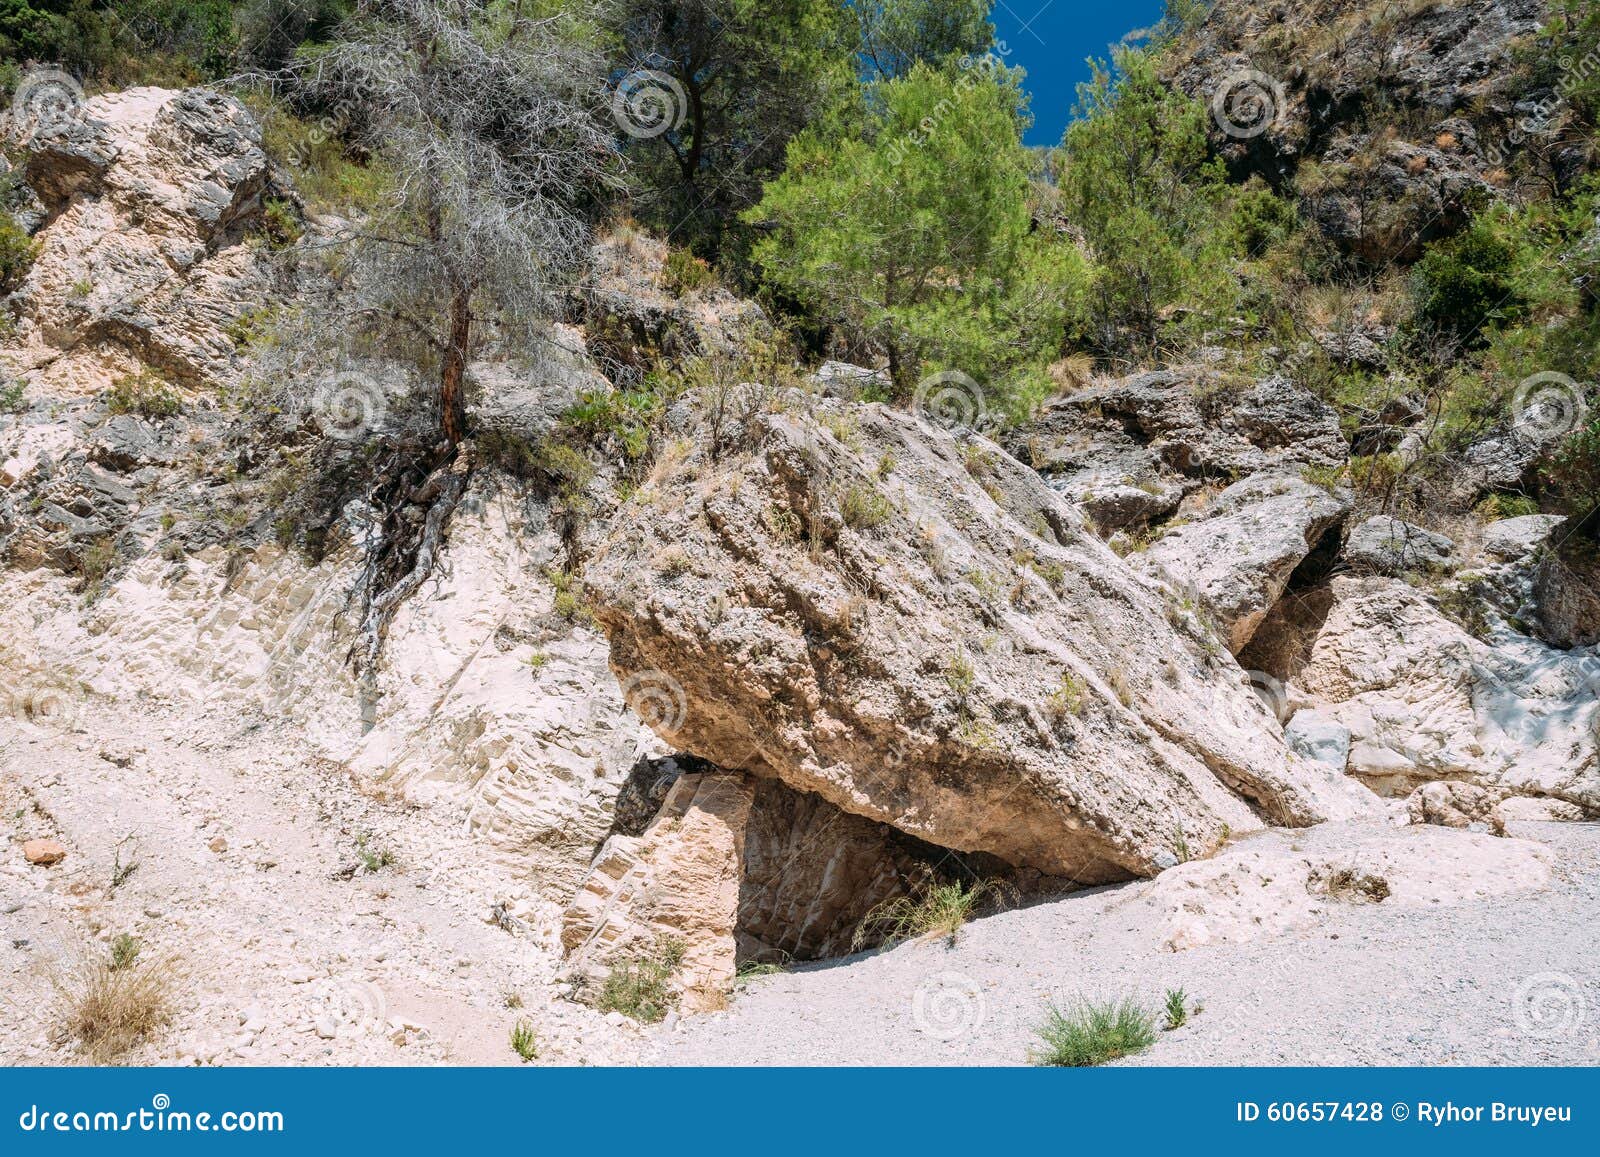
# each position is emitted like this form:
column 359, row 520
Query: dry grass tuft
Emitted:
column 108, row 1004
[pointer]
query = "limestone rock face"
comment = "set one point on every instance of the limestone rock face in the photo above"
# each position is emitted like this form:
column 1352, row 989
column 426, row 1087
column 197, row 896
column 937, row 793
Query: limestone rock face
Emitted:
column 487, row 700
column 148, row 192
column 921, row 632
column 734, row 867
column 1389, row 546
column 1239, row 553
column 1424, row 700
column 1128, row 451
column 1454, row 805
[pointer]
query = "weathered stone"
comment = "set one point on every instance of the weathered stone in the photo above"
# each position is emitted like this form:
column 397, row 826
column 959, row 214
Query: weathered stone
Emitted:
column 43, row 852
column 1240, row 551
column 922, row 633
column 1389, row 546
column 1454, row 805
column 1317, row 737
column 1425, row 700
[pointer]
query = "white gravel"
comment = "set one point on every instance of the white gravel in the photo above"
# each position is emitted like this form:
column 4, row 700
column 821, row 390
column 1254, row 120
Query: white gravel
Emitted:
column 1500, row 981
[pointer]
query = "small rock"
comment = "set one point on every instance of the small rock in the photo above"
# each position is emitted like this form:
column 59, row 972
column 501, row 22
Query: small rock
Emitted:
column 218, row 845
column 327, row 1029
column 616, row 1019
column 9, row 909
column 255, row 1025
column 298, row 974
column 44, row 852
column 154, row 913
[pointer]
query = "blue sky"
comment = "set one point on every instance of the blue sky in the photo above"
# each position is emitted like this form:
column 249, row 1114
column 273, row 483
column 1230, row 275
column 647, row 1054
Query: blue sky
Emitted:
column 1052, row 38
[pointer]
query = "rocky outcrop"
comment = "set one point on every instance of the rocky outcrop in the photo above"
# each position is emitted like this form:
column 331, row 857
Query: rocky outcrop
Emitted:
column 736, row 868
column 1385, row 545
column 1292, row 83
column 149, row 194
column 1239, row 552
column 1425, row 700
column 919, row 631
column 1128, row 451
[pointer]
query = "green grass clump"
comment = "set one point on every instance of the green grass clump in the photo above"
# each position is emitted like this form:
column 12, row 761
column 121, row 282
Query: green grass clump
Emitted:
column 642, row 987
column 1176, row 1008
column 524, row 1041
column 1094, row 1032
column 940, row 910
column 864, row 509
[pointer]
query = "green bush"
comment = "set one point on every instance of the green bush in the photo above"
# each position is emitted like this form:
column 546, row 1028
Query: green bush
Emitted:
column 1572, row 475
column 1464, row 285
column 1094, row 1032
column 145, row 393
column 17, row 251
column 642, row 987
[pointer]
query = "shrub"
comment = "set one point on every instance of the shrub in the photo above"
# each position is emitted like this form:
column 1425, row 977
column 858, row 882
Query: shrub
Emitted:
column 524, row 1041
column 145, row 393
column 109, row 1007
column 1463, row 285
column 124, row 951
column 1572, row 474
column 1066, row 699
column 863, row 508
column 1094, row 1032
column 941, row 910
column 11, row 399
column 1176, row 1008
column 683, row 272
column 642, row 987
column 17, row 251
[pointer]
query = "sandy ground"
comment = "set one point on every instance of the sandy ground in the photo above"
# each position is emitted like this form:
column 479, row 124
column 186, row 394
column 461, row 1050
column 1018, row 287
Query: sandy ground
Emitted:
column 1508, row 980
column 289, row 950
column 249, row 877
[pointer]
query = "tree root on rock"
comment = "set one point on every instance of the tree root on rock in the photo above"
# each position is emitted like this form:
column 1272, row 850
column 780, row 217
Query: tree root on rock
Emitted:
column 404, row 548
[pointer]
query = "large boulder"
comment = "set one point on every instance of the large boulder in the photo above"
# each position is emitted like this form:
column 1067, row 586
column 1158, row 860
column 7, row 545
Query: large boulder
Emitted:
column 1240, row 551
column 920, row 631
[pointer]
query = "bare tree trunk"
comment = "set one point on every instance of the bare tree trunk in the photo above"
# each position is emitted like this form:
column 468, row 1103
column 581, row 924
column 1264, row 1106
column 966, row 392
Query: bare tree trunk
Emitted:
column 452, row 401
